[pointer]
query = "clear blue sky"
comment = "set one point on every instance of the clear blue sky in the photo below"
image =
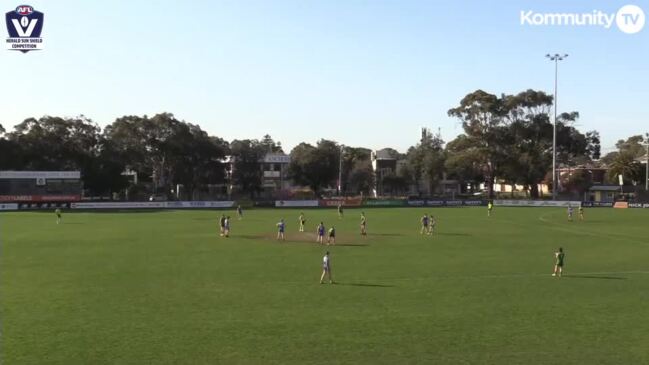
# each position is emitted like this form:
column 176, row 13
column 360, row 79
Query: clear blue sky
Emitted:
column 364, row 73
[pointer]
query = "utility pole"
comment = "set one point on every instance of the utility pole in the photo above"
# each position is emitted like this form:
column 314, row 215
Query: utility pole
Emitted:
column 340, row 170
column 646, row 183
column 556, row 58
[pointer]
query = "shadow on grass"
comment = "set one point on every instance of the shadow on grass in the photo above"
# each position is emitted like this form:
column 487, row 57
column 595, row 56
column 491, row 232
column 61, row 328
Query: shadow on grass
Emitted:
column 293, row 240
column 593, row 277
column 271, row 238
column 366, row 285
column 250, row 237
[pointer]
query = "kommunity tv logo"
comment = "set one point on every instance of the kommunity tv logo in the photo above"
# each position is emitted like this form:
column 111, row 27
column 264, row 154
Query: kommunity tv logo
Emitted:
column 629, row 19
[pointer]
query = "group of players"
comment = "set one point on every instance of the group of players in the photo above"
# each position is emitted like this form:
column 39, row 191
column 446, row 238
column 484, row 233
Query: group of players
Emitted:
column 428, row 224
column 571, row 211
column 321, row 230
column 224, row 222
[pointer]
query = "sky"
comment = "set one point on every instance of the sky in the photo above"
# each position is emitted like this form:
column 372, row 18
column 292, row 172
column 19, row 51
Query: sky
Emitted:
column 366, row 73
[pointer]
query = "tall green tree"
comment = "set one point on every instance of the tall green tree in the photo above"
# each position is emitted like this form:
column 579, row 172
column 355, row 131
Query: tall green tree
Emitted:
column 54, row 143
column 426, row 160
column 357, row 174
column 513, row 134
column 632, row 146
column 167, row 151
column 483, row 119
column 360, row 179
column 10, row 153
column 197, row 159
column 625, row 164
column 143, row 144
column 464, row 161
column 270, row 145
column 315, row 166
column 103, row 174
column 246, row 168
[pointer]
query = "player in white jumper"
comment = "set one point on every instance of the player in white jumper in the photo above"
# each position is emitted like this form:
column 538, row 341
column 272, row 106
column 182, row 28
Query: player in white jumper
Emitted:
column 326, row 269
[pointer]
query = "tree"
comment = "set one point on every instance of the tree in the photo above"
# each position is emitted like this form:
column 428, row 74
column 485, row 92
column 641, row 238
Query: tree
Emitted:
column 483, row 118
column 167, row 151
column 198, row 158
column 143, row 144
column 425, row 161
column 578, row 181
column 527, row 139
column 246, row 169
column 103, row 174
column 360, row 178
column 632, row 146
column 356, row 163
column 513, row 134
column 10, row 153
column 594, row 147
column 624, row 164
column 316, row 167
column 270, row 146
column 464, row 161
column 53, row 143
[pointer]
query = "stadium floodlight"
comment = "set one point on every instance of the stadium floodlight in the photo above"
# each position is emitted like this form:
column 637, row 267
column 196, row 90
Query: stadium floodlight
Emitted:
column 646, row 161
column 555, row 58
column 340, row 170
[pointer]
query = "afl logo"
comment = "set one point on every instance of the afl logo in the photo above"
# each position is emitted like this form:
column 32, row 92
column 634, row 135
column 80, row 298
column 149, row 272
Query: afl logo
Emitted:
column 24, row 10
column 24, row 25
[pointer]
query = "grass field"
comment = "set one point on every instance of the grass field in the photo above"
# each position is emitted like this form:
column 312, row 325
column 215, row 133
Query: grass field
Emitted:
column 164, row 288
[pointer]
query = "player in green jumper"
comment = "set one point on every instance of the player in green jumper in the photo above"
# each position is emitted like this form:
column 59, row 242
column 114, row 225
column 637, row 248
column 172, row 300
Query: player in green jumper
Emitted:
column 558, row 263
column 58, row 215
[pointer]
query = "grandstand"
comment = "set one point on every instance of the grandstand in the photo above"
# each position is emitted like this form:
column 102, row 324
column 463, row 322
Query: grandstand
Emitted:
column 40, row 188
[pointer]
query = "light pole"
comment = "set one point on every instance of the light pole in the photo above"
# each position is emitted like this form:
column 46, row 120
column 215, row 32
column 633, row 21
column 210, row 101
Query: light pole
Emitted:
column 556, row 58
column 646, row 183
column 340, row 170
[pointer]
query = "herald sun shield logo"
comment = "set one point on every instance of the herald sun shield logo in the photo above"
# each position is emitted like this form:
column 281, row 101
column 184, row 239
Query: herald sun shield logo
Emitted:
column 24, row 25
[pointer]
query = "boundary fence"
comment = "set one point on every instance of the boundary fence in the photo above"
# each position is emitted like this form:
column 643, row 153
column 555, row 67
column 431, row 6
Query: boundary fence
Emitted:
column 322, row 203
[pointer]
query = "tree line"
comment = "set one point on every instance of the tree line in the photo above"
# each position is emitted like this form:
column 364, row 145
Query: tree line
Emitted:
column 508, row 137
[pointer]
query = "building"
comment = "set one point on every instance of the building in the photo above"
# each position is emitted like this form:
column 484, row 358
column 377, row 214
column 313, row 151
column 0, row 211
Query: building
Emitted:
column 597, row 173
column 387, row 166
column 40, row 186
column 384, row 163
column 611, row 193
column 275, row 170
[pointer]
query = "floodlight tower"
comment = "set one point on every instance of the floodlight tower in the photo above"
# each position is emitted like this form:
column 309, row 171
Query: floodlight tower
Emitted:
column 555, row 58
column 646, row 183
column 340, row 170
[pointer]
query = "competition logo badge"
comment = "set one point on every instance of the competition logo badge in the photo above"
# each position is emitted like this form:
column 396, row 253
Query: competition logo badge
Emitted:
column 24, row 25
